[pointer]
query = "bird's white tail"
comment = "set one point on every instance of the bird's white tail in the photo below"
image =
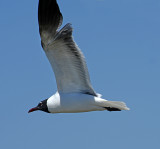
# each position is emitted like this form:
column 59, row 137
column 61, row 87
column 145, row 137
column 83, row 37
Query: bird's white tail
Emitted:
column 115, row 106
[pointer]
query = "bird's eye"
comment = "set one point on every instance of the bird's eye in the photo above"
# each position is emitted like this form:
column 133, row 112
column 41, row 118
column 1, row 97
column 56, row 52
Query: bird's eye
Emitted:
column 40, row 104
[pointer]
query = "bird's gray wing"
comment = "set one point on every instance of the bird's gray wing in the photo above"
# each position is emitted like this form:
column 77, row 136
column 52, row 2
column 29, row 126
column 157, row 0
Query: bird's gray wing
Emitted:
column 65, row 57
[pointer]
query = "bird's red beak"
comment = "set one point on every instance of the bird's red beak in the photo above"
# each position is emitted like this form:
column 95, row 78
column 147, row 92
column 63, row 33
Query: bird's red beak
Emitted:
column 33, row 109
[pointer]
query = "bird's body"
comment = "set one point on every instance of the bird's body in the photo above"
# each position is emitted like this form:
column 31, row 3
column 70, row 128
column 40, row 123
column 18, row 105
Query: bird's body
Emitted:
column 72, row 103
column 78, row 102
column 75, row 92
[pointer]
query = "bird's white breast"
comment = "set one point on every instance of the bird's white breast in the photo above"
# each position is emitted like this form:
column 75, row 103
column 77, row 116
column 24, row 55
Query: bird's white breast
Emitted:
column 72, row 103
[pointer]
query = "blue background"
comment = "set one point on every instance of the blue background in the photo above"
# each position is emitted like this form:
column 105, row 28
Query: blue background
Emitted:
column 121, row 42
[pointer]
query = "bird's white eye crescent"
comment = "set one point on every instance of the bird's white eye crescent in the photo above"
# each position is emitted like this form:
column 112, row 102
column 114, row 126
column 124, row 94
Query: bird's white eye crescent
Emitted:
column 40, row 104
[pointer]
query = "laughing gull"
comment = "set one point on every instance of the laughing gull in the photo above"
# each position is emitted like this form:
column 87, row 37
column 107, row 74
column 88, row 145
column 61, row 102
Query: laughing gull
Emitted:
column 75, row 93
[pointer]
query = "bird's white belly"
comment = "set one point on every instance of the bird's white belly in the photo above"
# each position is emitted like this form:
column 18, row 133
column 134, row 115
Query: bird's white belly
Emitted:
column 72, row 103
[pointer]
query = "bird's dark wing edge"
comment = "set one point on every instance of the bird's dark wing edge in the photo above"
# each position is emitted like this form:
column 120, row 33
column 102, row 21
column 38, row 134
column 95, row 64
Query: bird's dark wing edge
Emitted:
column 49, row 16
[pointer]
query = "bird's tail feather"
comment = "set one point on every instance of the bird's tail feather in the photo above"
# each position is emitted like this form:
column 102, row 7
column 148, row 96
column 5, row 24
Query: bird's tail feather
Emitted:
column 115, row 106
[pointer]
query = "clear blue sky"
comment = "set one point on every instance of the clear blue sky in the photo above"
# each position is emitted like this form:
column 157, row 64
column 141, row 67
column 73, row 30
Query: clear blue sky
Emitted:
column 121, row 42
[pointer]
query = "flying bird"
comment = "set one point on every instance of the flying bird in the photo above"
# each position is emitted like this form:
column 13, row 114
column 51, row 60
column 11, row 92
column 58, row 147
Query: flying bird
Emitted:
column 75, row 92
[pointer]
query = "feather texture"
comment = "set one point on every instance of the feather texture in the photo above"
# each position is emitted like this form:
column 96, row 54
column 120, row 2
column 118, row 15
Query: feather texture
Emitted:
column 66, row 59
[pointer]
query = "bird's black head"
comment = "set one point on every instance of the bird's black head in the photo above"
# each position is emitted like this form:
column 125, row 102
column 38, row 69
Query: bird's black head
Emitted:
column 41, row 106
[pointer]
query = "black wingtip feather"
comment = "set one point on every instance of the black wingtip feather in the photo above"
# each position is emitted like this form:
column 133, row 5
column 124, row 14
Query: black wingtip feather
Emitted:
column 49, row 13
column 112, row 109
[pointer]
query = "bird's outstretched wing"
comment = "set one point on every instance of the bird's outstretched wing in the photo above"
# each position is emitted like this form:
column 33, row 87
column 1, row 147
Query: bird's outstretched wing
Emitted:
column 65, row 57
